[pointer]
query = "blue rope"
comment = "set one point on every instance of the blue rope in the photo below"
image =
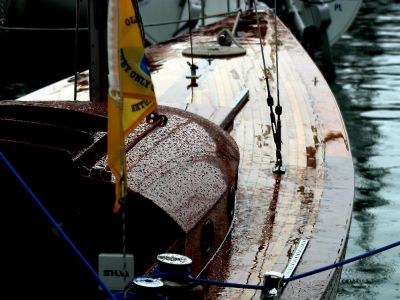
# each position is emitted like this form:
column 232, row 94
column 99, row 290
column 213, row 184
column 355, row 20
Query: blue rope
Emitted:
column 179, row 275
column 55, row 225
column 183, row 275
column 343, row 262
column 228, row 284
column 136, row 296
column 262, row 287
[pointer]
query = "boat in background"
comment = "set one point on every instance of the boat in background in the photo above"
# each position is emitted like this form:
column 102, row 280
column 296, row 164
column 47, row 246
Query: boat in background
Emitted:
column 239, row 184
column 51, row 23
column 162, row 19
column 307, row 19
column 334, row 16
column 318, row 25
column 311, row 17
column 49, row 27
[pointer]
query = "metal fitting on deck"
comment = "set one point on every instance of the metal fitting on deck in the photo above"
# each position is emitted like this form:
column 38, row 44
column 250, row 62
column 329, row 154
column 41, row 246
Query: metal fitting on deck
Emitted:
column 273, row 281
column 100, row 172
column 193, row 75
column 172, row 262
column 148, row 288
column 225, row 38
column 176, row 268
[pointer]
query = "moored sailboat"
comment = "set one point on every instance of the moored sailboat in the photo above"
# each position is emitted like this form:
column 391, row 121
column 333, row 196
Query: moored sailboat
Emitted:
column 193, row 176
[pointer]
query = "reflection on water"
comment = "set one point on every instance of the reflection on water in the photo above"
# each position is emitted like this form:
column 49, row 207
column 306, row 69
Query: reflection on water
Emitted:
column 367, row 88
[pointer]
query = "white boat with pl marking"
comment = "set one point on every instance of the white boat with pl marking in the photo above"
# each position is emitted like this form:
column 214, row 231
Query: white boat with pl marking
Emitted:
column 49, row 13
column 317, row 24
column 340, row 13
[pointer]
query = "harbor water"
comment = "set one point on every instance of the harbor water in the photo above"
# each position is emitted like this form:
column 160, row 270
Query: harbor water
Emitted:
column 367, row 87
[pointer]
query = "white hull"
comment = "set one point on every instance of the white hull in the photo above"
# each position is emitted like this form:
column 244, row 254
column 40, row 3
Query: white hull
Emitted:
column 342, row 14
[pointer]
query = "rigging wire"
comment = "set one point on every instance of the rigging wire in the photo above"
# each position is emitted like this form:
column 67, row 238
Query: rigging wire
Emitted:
column 203, row 12
column 279, row 169
column 276, row 57
column 190, row 32
column 19, row 28
column 317, row 1
column 139, row 20
column 124, row 192
column 262, row 50
column 192, row 66
column 275, row 122
column 77, row 17
column 2, row 13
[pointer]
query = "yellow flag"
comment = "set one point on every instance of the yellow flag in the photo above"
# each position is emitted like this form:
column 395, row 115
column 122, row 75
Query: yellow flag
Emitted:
column 131, row 96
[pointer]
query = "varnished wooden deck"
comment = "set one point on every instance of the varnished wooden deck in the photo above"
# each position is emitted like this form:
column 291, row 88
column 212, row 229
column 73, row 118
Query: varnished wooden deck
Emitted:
column 313, row 200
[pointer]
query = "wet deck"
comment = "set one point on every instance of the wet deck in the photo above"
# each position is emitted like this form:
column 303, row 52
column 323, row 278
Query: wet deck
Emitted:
column 313, row 200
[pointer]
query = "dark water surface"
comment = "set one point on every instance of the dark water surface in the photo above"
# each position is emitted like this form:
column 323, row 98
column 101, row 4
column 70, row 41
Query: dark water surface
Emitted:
column 367, row 88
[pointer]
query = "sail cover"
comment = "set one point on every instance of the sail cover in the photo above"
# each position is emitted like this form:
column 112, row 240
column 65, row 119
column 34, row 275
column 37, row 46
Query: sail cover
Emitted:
column 131, row 92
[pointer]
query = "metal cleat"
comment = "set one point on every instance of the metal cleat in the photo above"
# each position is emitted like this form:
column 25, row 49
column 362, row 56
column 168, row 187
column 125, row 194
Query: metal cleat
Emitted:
column 274, row 283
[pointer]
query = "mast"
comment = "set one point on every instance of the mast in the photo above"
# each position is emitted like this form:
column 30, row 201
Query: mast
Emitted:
column 98, row 68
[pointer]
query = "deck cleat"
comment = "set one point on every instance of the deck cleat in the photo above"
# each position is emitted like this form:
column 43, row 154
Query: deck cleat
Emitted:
column 273, row 281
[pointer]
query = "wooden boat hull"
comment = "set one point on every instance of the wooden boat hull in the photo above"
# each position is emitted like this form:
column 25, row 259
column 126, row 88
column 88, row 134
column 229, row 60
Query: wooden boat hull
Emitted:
column 182, row 183
column 312, row 200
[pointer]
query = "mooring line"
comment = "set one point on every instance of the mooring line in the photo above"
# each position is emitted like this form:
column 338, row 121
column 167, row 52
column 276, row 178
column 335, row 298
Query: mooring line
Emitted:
column 186, row 277
column 56, row 226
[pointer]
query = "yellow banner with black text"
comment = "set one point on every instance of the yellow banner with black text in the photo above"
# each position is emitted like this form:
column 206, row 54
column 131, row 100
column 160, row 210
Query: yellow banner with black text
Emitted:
column 135, row 98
